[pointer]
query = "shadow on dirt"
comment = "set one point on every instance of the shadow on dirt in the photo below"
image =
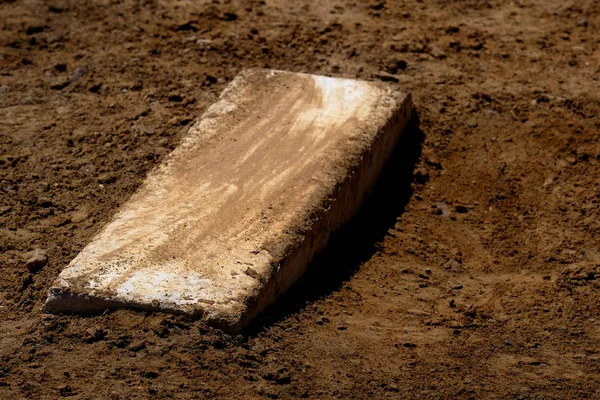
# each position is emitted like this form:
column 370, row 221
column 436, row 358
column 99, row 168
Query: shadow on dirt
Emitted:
column 356, row 242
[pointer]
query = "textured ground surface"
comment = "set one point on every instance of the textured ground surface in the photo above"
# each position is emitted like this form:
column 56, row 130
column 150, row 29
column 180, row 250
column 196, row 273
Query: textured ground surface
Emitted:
column 473, row 272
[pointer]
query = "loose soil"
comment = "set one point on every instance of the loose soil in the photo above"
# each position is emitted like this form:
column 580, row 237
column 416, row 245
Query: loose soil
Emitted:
column 472, row 272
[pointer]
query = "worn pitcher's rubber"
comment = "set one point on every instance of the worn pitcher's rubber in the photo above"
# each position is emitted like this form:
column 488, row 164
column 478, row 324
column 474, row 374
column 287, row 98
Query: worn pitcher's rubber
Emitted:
column 234, row 215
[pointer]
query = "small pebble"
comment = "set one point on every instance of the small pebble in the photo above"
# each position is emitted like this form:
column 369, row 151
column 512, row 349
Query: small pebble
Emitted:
column 55, row 38
column 137, row 346
column 36, row 260
column 79, row 216
column 436, row 52
column 77, row 74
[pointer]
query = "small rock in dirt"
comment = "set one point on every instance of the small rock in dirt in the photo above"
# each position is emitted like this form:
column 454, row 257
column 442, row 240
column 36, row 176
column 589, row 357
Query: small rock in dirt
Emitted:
column 94, row 335
column 472, row 123
column 582, row 22
column 106, row 179
column 78, row 216
column 436, row 52
column 36, row 260
column 54, row 38
column 43, row 186
column 137, row 345
column 77, row 74
column 508, row 342
column 455, row 325
column 571, row 160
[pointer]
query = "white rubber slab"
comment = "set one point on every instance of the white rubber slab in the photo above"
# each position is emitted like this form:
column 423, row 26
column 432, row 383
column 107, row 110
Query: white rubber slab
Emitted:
column 233, row 216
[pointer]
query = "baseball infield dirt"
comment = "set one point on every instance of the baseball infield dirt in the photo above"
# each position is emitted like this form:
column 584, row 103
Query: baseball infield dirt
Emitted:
column 472, row 272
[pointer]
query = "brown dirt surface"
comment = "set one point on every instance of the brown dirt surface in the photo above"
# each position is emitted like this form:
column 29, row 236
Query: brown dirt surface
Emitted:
column 473, row 271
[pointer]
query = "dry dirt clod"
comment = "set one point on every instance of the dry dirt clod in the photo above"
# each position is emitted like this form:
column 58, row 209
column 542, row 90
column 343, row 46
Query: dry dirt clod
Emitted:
column 421, row 175
column 65, row 390
column 94, row 334
column 502, row 162
column 36, row 260
column 137, row 345
column 160, row 329
column 393, row 65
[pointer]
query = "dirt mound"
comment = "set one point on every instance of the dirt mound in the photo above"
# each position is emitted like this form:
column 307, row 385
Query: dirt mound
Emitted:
column 471, row 273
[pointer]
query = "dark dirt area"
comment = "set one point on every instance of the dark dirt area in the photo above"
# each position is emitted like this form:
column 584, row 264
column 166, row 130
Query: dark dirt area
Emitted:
column 472, row 273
